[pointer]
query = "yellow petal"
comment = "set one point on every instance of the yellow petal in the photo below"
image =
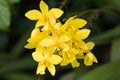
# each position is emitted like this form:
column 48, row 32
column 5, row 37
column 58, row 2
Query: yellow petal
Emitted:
column 56, row 12
column 78, row 23
column 57, row 26
column 45, row 27
column 89, row 59
column 82, row 34
column 64, row 38
column 55, row 59
column 39, row 23
column 35, row 32
column 33, row 42
column 64, row 63
column 33, row 14
column 92, row 57
column 47, row 42
column 90, row 45
column 66, row 24
column 83, row 45
column 40, row 69
column 75, row 64
column 30, row 46
column 52, row 19
column 43, row 7
column 64, row 46
column 51, row 69
column 37, row 56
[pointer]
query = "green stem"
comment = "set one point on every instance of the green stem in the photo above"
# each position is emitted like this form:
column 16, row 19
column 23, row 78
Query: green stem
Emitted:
column 40, row 77
column 63, row 4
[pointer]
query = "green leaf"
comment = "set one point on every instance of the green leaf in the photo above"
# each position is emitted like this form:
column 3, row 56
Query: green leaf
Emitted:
column 3, row 40
column 14, row 1
column 107, row 36
column 18, row 49
column 115, row 50
column 22, row 64
column 115, row 76
column 104, row 72
column 116, row 3
column 19, row 76
column 4, row 15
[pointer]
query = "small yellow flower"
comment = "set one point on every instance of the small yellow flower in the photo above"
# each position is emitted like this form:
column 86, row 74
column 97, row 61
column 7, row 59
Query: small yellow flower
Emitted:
column 69, row 57
column 44, row 17
column 74, row 24
column 36, row 38
column 89, row 59
column 46, row 61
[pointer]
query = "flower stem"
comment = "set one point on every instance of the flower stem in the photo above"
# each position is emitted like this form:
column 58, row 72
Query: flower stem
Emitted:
column 40, row 77
column 63, row 4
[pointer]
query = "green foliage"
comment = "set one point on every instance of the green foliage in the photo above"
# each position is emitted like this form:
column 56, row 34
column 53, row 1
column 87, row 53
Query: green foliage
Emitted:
column 104, row 72
column 115, row 50
column 116, row 3
column 106, row 37
column 103, row 19
column 14, row 1
column 5, row 15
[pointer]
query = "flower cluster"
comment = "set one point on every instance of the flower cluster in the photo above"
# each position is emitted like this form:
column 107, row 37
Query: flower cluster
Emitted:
column 56, row 43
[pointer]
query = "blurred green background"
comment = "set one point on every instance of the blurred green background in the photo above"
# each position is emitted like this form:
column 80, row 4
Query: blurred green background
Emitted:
column 103, row 18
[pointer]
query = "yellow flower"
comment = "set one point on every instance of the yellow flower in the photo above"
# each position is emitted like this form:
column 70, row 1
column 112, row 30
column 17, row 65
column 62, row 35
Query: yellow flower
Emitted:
column 58, row 42
column 46, row 16
column 69, row 57
column 35, row 38
column 46, row 61
column 89, row 57
column 74, row 24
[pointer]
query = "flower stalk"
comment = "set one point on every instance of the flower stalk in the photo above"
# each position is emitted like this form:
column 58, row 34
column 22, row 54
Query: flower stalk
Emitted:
column 40, row 77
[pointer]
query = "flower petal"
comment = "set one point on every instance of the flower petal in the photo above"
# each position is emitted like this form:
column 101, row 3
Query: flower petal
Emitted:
column 66, row 24
column 64, row 46
column 75, row 64
column 56, row 12
column 82, row 34
column 35, row 32
column 55, row 59
column 90, row 45
column 33, row 14
column 30, row 46
column 83, row 45
column 78, row 23
column 47, row 42
column 51, row 69
column 40, row 69
column 39, row 23
column 64, row 38
column 43, row 7
column 52, row 19
column 89, row 59
column 37, row 56
column 45, row 27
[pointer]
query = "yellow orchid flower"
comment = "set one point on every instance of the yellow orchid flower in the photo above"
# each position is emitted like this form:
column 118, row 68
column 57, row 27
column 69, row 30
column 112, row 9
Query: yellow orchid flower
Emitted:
column 46, row 61
column 74, row 24
column 69, row 57
column 36, row 37
column 44, row 17
column 89, row 59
